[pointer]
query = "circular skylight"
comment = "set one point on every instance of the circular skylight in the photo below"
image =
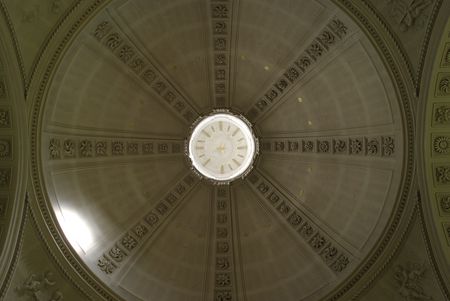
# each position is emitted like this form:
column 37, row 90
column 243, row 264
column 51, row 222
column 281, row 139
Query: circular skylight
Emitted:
column 222, row 147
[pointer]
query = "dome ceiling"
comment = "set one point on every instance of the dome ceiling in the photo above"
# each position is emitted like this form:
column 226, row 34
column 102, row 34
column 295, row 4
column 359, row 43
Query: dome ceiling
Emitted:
column 322, row 192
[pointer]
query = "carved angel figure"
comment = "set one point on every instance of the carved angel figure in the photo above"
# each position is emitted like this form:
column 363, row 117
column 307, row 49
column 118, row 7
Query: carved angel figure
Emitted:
column 37, row 287
column 408, row 280
column 407, row 11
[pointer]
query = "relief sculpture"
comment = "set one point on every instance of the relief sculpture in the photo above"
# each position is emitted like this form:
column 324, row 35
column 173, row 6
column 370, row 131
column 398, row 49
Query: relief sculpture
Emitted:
column 408, row 279
column 40, row 288
column 408, row 13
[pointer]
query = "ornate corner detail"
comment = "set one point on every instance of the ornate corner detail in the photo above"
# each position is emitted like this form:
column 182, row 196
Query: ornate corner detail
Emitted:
column 40, row 287
column 408, row 278
column 409, row 14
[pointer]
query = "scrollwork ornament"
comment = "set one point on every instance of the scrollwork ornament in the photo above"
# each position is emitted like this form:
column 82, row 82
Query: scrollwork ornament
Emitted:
column 223, row 279
column 69, row 148
column 388, row 146
column 222, row 263
column 323, row 146
column 442, row 114
column 340, row 146
column 106, row 265
column 223, row 296
column 113, row 41
column 5, row 148
column 102, row 29
column 443, row 174
column 356, row 146
column 444, row 86
column 329, row 253
column 117, row 254
column 340, row 264
column 129, row 242
column 101, row 148
column 86, row 148
column 444, row 202
column 55, row 149
column 372, row 147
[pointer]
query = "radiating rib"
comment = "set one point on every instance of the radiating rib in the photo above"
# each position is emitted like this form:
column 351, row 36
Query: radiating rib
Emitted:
column 221, row 19
column 332, row 253
column 223, row 284
column 89, row 148
column 358, row 145
column 332, row 35
column 110, row 36
column 134, row 238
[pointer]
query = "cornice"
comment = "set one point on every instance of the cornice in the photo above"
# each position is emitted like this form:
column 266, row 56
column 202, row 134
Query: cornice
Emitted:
column 13, row 134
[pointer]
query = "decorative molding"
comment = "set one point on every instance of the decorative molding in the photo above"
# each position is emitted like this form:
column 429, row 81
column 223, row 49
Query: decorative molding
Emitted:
column 110, row 37
column 221, row 30
column 334, row 32
column 330, row 252
column 408, row 280
column 224, row 258
column 144, row 229
column 381, row 146
column 88, row 147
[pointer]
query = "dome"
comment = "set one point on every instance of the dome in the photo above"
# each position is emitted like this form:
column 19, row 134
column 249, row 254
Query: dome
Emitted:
column 306, row 221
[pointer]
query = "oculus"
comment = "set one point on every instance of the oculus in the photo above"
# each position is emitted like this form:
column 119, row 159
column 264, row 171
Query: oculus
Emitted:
column 222, row 147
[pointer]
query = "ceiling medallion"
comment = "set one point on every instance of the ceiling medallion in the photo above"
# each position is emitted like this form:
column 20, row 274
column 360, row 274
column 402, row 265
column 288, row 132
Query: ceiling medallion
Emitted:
column 222, row 147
